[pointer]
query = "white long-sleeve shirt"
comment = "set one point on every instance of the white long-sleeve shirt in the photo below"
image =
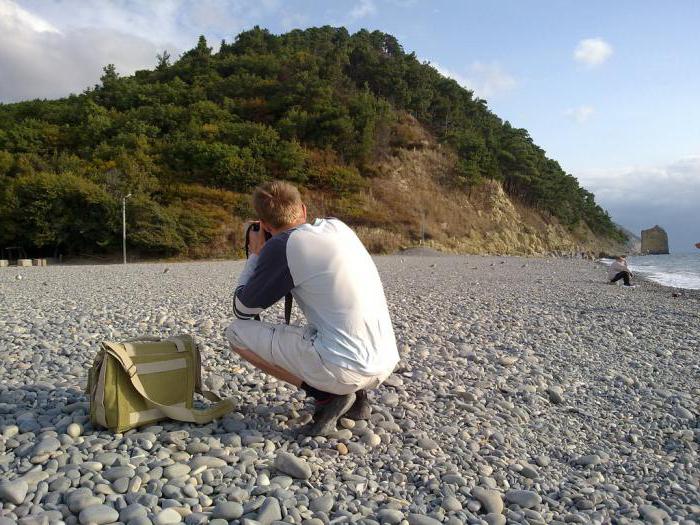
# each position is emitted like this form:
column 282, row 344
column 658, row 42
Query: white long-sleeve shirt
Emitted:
column 335, row 283
column 617, row 267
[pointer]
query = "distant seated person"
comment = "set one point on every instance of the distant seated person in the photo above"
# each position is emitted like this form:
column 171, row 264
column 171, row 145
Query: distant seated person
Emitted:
column 619, row 270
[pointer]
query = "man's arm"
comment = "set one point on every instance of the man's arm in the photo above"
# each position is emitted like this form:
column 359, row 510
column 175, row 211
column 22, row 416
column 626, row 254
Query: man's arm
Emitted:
column 265, row 279
column 625, row 268
column 243, row 279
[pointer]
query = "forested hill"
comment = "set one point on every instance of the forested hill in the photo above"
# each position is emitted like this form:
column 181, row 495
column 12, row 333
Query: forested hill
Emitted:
column 319, row 107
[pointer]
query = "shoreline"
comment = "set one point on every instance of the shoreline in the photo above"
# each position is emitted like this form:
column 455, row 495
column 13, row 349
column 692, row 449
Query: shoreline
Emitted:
column 414, row 252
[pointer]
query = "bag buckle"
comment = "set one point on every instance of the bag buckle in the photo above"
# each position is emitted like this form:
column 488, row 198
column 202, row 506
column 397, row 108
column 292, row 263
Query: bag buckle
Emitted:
column 129, row 370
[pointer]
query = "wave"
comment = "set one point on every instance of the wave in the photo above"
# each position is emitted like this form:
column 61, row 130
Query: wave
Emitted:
column 676, row 271
column 689, row 281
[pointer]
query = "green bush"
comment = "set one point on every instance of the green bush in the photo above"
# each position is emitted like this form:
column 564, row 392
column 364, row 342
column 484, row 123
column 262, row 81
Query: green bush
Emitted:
column 7, row 161
column 153, row 228
column 59, row 211
column 342, row 180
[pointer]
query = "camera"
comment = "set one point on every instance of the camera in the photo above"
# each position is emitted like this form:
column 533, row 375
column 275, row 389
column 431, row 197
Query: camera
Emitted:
column 253, row 227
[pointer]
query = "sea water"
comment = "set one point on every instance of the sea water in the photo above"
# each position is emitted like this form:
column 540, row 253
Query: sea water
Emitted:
column 677, row 270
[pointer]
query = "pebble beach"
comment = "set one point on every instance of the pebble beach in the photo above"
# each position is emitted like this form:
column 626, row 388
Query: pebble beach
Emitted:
column 528, row 391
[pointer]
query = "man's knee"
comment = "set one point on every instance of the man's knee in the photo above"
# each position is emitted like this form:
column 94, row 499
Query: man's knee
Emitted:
column 232, row 334
column 236, row 349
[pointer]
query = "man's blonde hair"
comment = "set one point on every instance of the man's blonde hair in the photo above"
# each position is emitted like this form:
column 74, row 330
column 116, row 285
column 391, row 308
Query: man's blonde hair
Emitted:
column 278, row 203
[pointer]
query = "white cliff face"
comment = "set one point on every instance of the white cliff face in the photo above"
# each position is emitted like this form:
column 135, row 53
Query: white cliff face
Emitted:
column 654, row 241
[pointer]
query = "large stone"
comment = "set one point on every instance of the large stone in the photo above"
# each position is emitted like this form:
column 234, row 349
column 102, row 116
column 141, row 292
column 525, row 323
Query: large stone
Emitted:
column 177, row 470
column 451, row 504
column 427, row 444
column 42, row 518
column 322, row 503
column 206, row 461
column 292, row 465
column 590, row 459
column 653, row 515
column 46, row 446
column 108, row 458
column 420, row 519
column 167, row 517
column 214, row 382
column 98, row 515
column 454, row 479
column 13, row 491
column 74, row 430
column 529, row 471
column 269, row 511
column 79, row 501
column 523, row 498
column 390, row 516
column 390, row 399
column 495, row 519
column 228, row 510
column 133, row 511
column 490, row 499
column 556, row 394
column 114, row 473
column 654, row 241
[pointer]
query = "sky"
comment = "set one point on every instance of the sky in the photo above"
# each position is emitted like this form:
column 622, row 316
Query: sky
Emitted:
column 608, row 89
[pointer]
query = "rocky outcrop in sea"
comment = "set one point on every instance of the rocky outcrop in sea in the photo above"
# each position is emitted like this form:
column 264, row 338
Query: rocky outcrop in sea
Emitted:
column 654, row 241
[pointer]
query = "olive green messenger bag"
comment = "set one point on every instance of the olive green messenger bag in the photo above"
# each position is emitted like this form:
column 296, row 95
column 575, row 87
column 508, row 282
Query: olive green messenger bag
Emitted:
column 145, row 380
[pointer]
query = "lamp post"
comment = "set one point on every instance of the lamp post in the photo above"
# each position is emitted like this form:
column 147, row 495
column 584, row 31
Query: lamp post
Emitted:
column 422, row 227
column 124, row 225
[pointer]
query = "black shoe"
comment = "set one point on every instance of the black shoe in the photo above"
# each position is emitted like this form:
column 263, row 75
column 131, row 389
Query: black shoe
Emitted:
column 361, row 409
column 327, row 415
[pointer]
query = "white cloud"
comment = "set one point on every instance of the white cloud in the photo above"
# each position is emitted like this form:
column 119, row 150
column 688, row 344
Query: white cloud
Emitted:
column 639, row 197
column 461, row 80
column 178, row 22
column 592, row 52
column 363, row 9
column 486, row 80
column 13, row 16
column 51, row 49
column 580, row 114
column 39, row 61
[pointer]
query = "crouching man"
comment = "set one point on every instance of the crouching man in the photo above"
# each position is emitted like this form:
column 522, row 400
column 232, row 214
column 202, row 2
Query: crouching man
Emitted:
column 348, row 346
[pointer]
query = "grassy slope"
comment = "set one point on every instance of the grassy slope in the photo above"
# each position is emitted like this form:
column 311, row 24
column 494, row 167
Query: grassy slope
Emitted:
column 408, row 197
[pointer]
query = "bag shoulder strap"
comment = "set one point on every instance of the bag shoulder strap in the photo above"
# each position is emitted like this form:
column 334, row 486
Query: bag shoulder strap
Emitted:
column 189, row 415
column 288, row 301
column 176, row 340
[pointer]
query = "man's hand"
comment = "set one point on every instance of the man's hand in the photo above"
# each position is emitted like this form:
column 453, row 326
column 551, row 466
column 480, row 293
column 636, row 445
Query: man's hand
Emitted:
column 257, row 240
